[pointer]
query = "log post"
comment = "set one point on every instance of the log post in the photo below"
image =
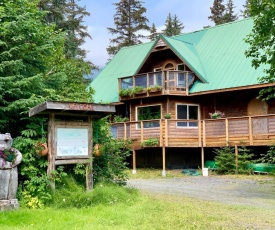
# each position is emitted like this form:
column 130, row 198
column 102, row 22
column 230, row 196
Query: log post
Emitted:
column 202, row 157
column 236, row 158
column 163, row 162
column 51, row 153
column 134, row 171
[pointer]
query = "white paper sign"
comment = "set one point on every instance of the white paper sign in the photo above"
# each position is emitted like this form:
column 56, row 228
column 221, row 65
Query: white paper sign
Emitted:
column 72, row 141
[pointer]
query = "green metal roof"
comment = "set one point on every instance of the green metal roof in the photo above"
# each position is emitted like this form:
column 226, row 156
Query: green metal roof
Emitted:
column 215, row 54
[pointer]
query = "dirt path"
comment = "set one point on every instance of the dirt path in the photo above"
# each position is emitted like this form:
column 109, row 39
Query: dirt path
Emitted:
column 256, row 193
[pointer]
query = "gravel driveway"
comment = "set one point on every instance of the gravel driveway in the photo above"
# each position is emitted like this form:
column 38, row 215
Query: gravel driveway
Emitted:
column 256, row 193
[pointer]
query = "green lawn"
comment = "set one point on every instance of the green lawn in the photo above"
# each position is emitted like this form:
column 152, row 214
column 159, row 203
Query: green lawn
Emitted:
column 146, row 212
column 120, row 208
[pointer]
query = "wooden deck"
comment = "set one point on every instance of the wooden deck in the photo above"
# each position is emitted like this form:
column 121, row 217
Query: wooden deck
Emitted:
column 249, row 131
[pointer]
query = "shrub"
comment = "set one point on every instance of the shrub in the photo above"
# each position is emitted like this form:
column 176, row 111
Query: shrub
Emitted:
column 269, row 157
column 226, row 160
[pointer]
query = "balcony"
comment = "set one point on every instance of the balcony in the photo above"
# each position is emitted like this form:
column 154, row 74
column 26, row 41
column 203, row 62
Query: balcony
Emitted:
column 156, row 83
column 249, row 131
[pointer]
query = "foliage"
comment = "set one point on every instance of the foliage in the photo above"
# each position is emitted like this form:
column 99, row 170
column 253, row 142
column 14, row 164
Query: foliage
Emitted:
column 149, row 113
column 110, row 166
column 151, row 142
column 153, row 32
column 216, row 114
column 125, row 92
column 34, row 183
column 167, row 116
column 221, row 13
column 261, row 42
column 118, row 118
column 268, row 157
column 217, row 12
column 154, row 88
column 8, row 154
column 68, row 16
column 173, row 26
column 129, row 20
column 138, row 89
column 33, row 67
column 229, row 15
column 246, row 11
column 226, row 160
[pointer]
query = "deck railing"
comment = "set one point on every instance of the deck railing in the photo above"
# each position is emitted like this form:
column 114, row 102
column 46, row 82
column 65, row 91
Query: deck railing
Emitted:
column 249, row 130
column 172, row 81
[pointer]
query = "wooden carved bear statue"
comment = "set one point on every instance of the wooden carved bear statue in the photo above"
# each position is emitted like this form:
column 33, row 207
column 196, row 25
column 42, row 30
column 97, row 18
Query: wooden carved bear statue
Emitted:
column 9, row 159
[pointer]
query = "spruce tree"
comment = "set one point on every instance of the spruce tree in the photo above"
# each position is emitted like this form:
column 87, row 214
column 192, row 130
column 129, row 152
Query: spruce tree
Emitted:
column 168, row 31
column 177, row 25
column 153, row 33
column 229, row 15
column 129, row 20
column 246, row 11
column 217, row 12
column 68, row 16
column 173, row 26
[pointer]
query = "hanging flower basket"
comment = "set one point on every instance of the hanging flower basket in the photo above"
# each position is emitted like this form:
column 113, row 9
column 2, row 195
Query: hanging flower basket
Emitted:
column 41, row 149
column 97, row 151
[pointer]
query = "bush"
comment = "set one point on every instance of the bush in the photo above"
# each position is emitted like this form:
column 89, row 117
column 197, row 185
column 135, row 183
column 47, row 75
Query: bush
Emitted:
column 226, row 160
column 72, row 195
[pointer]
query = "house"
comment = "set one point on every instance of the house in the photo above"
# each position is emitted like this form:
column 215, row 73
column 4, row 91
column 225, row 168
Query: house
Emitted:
column 186, row 78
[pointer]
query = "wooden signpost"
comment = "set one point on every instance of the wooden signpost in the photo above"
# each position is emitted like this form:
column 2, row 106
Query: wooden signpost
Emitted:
column 70, row 139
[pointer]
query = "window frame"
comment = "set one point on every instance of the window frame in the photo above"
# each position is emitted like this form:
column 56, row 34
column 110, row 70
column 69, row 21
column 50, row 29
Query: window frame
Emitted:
column 136, row 115
column 188, row 126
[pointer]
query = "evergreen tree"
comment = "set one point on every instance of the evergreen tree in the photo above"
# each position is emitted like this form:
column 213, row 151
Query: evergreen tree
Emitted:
column 153, row 33
column 68, row 16
column 217, row 12
column 168, row 31
column 129, row 20
column 177, row 25
column 229, row 15
column 246, row 11
column 173, row 26
column 32, row 64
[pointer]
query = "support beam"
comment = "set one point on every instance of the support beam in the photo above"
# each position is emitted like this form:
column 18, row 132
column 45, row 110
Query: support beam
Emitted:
column 202, row 157
column 51, row 153
column 134, row 162
column 236, row 158
column 163, row 162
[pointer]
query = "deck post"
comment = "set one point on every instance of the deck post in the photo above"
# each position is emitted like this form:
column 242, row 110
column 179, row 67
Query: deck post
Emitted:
column 51, row 153
column 236, row 158
column 202, row 157
column 250, row 131
column 141, row 131
column 125, row 131
column 203, row 133
column 226, row 132
column 163, row 162
column 134, row 171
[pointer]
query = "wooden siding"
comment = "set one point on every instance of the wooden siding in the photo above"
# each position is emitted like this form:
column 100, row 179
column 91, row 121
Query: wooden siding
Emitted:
column 248, row 130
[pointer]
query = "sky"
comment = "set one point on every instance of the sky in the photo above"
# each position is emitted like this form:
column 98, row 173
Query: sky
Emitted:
column 192, row 13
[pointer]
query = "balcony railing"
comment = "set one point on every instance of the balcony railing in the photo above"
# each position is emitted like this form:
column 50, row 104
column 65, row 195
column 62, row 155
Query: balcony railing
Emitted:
column 166, row 82
column 250, row 131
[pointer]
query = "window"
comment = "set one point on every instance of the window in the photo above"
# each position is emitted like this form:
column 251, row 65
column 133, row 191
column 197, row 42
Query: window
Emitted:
column 149, row 113
column 187, row 112
column 155, row 78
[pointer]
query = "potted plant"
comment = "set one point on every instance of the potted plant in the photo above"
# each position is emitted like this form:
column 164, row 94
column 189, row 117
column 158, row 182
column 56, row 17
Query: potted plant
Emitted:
column 217, row 114
column 167, row 116
column 138, row 90
column 8, row 154
column 41, row 148
column 151, row 142
column 155, row 88
column 125, row 92
column 118, row 118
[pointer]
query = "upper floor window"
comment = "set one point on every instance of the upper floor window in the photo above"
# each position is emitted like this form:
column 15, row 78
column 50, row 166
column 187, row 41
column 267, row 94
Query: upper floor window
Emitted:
column 187, row 112
column 145, row 113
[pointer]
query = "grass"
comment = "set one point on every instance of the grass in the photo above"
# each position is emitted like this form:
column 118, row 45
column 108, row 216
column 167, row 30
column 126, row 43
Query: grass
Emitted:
column 147, row 212
column 114, row 207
